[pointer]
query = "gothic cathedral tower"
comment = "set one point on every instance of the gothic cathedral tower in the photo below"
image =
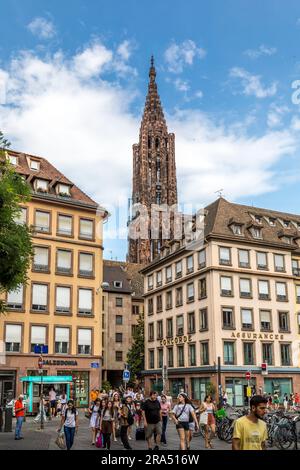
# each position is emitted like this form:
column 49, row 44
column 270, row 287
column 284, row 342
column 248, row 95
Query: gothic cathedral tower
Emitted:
column 154, row 171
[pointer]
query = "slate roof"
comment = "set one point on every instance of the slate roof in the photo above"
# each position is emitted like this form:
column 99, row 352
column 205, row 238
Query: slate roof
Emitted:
column 127, row 273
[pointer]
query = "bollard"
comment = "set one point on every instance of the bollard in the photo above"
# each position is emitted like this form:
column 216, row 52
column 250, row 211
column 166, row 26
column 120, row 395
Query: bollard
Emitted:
column 8, row 420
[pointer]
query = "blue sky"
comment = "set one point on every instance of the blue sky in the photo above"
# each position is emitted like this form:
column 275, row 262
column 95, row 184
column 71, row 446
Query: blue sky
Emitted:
column 73, row 79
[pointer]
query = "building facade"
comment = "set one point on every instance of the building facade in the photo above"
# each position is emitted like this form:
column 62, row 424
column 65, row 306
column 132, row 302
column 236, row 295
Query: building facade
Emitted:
column 230, row 299
column 122, row 305
column 60, row 306
column 154, row 179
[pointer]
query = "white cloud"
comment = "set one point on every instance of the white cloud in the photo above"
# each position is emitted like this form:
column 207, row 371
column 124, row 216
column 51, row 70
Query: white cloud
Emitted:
column 125, row 50
column 251, row 84
column 199, row 94
column 181, row 85
column 261, row 51
column 42, row 28
column 92, row 60
column 177, row 56
column 276, row 114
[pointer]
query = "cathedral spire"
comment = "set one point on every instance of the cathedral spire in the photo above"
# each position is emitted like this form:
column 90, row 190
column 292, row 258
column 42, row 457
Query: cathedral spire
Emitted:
column 153, row 111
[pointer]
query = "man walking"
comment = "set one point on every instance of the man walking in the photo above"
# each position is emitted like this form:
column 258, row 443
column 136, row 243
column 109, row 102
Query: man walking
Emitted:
column 250, row 432
column 19, row 413
column 152, row 420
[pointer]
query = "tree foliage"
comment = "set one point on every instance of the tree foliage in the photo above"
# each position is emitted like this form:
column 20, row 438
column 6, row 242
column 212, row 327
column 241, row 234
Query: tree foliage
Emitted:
column 15, row 238
column 136, row 354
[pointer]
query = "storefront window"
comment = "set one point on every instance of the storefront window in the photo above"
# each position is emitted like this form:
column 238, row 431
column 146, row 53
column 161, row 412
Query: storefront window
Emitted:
column 278, row 386
column 199, row 387
column 236, row 390
column 79, row 389
column 177, row 386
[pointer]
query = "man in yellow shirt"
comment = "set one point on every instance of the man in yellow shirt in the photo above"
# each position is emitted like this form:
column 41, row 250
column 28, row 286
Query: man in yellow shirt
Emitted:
column 250, row 432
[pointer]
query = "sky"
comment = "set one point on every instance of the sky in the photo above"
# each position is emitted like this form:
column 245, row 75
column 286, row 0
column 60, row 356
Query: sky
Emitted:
column 73, row 81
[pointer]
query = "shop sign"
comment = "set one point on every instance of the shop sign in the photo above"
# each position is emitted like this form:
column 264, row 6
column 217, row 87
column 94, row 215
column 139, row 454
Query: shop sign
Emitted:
column 263, row 336
column 50, row 362
column 176, row 340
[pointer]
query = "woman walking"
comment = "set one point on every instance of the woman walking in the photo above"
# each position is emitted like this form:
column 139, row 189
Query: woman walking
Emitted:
column 126, row 421
column 69, row 421
column 94, row 418
column 181, row 414
column 165, row 407
column 116, row 410
column 208, row 409
column 106, row 422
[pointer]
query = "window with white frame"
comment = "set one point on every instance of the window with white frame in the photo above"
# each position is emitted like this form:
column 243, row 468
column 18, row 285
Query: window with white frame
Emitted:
column 85, row 303
column 169, row 274
column 245, row 288
column 279, row 263
column 64, row 262
column 41, row 185
column 298, row 294
column 64, row 225
column 39, row 297
column 190, row 264
column 226, row 285
column 178, row 267
column 63, row 299
column 265, row 320
column 237, row 229
column 13, row 338
column 117, row 284
column 262, row 260
column 62, row 340
column 244, row 259
column 21, row 218
column 86, row 265
column 42, row 221
column 84, row 341
column 15, row 299
column 225, row 255
column 34, row 165
column 38, row 336
column 190, row 292
column 86, row 229
column 281, row 291
column 202, row 259
column 150, row 282
column 179, row 325
column 13, row 159
column 158, row 278
column 263, row 290
column 64, row 189
column 41, row 258
column 256, row 232
column 247, row 322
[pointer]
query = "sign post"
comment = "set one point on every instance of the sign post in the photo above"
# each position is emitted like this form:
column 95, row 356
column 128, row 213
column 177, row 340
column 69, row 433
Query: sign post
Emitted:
column 248, row 377
column 40, row 364
column 126, row 376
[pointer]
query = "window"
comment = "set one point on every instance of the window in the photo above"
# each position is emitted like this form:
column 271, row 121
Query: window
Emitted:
column 119, row 302
column 283, row 321
column 119, row 356
column 298, row 294
column 42, row 221
column 244, row 259
column 86, row 229
column 170, row 357
column 86, row 262
column 237, row 229
column 190, row 292
column 117, row 284
column 84, row 341
column 169, row 300
column 180, row 356
column 191, row 323
column 281, row 291
column 203, row 319
column 160, row 333
column 41, row 258
column 64, row 225
column 179, row 325
column 119, row 320
column 158, row 278
column 248, row 354
column 202, row 259
column 204, row 354
column 295, row 266
column 38, row 336
column 178, row 269
column 267, row 353
column 247, row 322
column 245, row 288
column 298, row 317
column 64, row 262
column 226, row 286
column 285, row 353
column 179, row 296
column 263, row 290
column 262, row 260
column 272, row 221
column 279, row 263
column 64, row 190
column 159, row 306
column 34, row 165
column 41, row 185
column 169, row 274
column 169, row 328
column 15, row 299
column 151, row 331
column 63, row 299
column 190, row 264
column 224, row 256
column 160, row 354
column 265, row 320
column 202, row 288
column 62, row 340
column 257, row 219
column 119, row 337
column 85, row 303
column 151, row 359
column 228, row 317
column 135, row 310
column 13, row 338
column 256, row 232
column 21, row 217
column 192, row 354
column 287, row 240
column 13, row 160
column 150, row 306
column 228, row 353
column 150, row 282
column 39, row 297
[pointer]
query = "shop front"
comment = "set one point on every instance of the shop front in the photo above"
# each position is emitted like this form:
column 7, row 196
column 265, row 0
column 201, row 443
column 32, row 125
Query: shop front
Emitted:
column 7, row 386
column 36, row 385
column 79, row 389
column 236, row 389
column 199, row 387
column 278, row 386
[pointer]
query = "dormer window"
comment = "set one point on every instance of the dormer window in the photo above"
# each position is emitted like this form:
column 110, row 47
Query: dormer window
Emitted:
column 118, row 284
column 286, row 224
column 258, row 219
column 12, row 159
column 287, row 240
column 272, row 221
column 41, row 186
column 63, row 190
column 237, row 229
column 256, row 232
column 34, row 165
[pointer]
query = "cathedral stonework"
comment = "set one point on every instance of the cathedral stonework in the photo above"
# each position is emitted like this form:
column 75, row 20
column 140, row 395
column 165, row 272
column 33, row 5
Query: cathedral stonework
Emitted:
column 154, row 177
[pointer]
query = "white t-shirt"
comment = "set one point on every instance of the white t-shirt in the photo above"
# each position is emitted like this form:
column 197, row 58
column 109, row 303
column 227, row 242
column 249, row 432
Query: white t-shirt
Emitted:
column 70, row 421
column 184, row 412
column 52, row 395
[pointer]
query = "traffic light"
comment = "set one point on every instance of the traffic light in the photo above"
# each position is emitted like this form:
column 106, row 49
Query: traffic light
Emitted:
column 264, row 368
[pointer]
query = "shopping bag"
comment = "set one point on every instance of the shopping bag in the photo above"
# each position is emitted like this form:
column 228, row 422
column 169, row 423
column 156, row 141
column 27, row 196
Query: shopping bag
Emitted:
column 99, row 440
column 60, row 440
column 203, row 418
column 140, row 434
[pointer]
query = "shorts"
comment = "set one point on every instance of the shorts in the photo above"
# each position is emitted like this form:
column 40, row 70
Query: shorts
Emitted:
column 183, row 425
column 53, row 403
column 153, row 428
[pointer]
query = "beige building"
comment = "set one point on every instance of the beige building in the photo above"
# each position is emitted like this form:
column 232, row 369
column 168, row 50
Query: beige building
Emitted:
column 232, row 298
column 61, row 304
column 122, row 304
